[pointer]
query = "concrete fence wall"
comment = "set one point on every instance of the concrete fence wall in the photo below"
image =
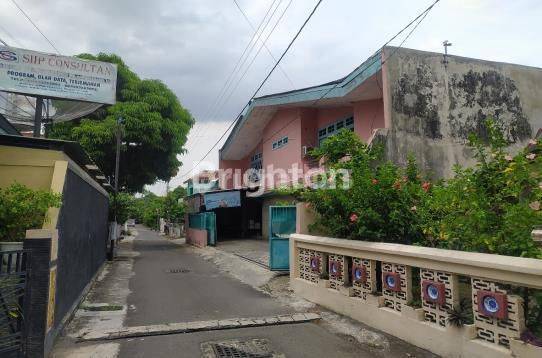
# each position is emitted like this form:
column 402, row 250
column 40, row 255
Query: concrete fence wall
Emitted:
column 196, row 237
column 70, row 247
column 374, row 283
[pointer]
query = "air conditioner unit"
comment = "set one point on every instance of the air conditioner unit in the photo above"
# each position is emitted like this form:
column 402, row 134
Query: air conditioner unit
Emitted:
column 306, row 150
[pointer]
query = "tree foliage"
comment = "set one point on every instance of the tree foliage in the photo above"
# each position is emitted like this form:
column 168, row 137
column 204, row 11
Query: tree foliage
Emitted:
column 154, row 131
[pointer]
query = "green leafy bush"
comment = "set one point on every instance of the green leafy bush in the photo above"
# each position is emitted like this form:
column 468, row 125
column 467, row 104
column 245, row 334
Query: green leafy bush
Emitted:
column 22, row 208
column 492, row 207
column 380, row 203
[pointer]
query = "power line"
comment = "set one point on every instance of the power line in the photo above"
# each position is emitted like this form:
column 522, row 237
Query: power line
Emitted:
column 14, row 104
column 227, row 90
column 36, row 26
column 9, row 35
column 235, row 69
column 261, row 84
column 257, row 53
column 265, row 45
column 221, row 102
column 421, row 17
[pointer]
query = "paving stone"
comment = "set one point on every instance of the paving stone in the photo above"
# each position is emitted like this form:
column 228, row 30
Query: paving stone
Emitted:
column 285, row 318
column 228, row 323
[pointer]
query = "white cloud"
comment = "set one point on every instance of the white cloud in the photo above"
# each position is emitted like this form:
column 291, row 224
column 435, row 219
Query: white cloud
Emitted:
column 192, row 45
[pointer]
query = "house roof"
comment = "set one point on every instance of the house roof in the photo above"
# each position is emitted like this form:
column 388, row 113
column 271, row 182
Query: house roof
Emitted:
column 250, row 125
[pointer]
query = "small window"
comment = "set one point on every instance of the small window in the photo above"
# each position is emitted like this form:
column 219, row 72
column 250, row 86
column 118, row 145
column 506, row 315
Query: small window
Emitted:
column 280, row 143
column 331, row 129
column 340, row 125
column 321, row 132
column 350, row 121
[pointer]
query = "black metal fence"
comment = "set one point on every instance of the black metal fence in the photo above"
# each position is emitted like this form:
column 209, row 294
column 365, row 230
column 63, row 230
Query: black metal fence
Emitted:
column 82, row 239
column 13, row 288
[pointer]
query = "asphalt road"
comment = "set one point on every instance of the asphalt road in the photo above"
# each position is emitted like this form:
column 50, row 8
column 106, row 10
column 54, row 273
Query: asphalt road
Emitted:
column 199, row 291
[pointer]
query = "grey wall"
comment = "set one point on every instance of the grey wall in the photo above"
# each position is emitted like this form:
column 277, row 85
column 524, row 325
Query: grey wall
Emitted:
column 434, row 107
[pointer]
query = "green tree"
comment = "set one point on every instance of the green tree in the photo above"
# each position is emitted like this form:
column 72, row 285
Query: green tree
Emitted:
column 174, row 207
column 155, row 129
column 149, row 208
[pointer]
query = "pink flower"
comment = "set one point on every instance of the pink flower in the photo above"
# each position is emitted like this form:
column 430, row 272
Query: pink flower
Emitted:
column 354, row 218
column 530, row 156
column 533, row 142
column 397, row 184
column 374, row 181
column 508, row 157
column 535, row 205
column 426, row 186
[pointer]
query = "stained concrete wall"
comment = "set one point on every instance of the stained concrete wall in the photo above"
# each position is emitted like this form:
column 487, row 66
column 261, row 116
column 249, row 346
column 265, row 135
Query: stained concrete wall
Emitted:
column 434, row 106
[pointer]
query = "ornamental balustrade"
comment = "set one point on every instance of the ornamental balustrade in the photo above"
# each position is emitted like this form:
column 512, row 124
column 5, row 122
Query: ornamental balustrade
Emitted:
column 430, row 286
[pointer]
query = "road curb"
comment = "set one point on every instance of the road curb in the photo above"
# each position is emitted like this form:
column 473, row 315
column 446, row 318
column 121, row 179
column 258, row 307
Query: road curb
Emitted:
column 198, row 326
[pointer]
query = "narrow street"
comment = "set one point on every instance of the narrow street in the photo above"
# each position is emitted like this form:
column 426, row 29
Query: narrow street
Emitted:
column 155, row 282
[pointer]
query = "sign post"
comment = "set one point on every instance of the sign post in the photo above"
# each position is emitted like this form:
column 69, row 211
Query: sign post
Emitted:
column 37, row 116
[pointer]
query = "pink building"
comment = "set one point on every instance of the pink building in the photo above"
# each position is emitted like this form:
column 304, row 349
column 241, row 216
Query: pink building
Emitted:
column 413, row 102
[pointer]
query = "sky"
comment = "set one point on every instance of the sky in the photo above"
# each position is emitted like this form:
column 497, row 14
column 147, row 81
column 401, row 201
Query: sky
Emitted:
column 193, row 45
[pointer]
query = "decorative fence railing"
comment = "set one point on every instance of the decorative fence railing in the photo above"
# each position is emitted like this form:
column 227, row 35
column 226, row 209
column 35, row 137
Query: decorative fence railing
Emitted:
column 452, row 303
column 13, row 286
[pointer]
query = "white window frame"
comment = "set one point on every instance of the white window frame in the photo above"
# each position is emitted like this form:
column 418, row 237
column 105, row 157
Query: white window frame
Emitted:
column 331, row 129
column 280, row 143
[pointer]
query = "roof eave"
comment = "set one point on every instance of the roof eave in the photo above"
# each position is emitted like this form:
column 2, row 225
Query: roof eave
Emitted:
column 328, row 90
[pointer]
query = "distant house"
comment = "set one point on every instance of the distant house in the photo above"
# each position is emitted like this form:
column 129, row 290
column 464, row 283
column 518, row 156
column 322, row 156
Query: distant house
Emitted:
column 206, row 180
column 412, row 102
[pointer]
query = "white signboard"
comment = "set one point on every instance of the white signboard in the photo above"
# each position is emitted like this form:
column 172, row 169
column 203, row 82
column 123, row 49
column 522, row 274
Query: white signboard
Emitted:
column 54, row 76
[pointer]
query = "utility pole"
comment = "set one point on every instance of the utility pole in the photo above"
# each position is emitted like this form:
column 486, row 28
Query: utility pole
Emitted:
column 116, row 188
column 446, row 44
column 37, row 116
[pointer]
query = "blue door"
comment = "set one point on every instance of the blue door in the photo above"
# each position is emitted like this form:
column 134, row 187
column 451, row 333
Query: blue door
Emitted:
column 281, row 225
column 210, row 225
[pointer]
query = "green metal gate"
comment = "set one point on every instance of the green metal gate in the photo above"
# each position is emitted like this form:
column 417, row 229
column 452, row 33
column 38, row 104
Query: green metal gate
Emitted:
column 204, row 221
column 282, row 221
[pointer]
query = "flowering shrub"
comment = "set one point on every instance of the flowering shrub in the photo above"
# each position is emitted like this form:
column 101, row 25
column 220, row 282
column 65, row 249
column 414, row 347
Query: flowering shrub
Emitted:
column 377, row 206
column 492, row 207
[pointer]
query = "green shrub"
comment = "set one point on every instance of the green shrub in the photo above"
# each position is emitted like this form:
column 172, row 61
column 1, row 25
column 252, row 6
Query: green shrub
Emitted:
column 22, row 208
column 492, row 207
column 380, row 203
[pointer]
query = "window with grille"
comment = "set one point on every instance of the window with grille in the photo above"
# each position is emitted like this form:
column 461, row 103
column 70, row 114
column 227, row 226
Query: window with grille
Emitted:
column 280, row 143
column 334, row 128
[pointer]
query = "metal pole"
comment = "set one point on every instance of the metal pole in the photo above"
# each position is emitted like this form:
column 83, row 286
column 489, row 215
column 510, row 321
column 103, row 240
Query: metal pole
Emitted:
column 117, row 164
column 37, row 117
column 117, row 156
